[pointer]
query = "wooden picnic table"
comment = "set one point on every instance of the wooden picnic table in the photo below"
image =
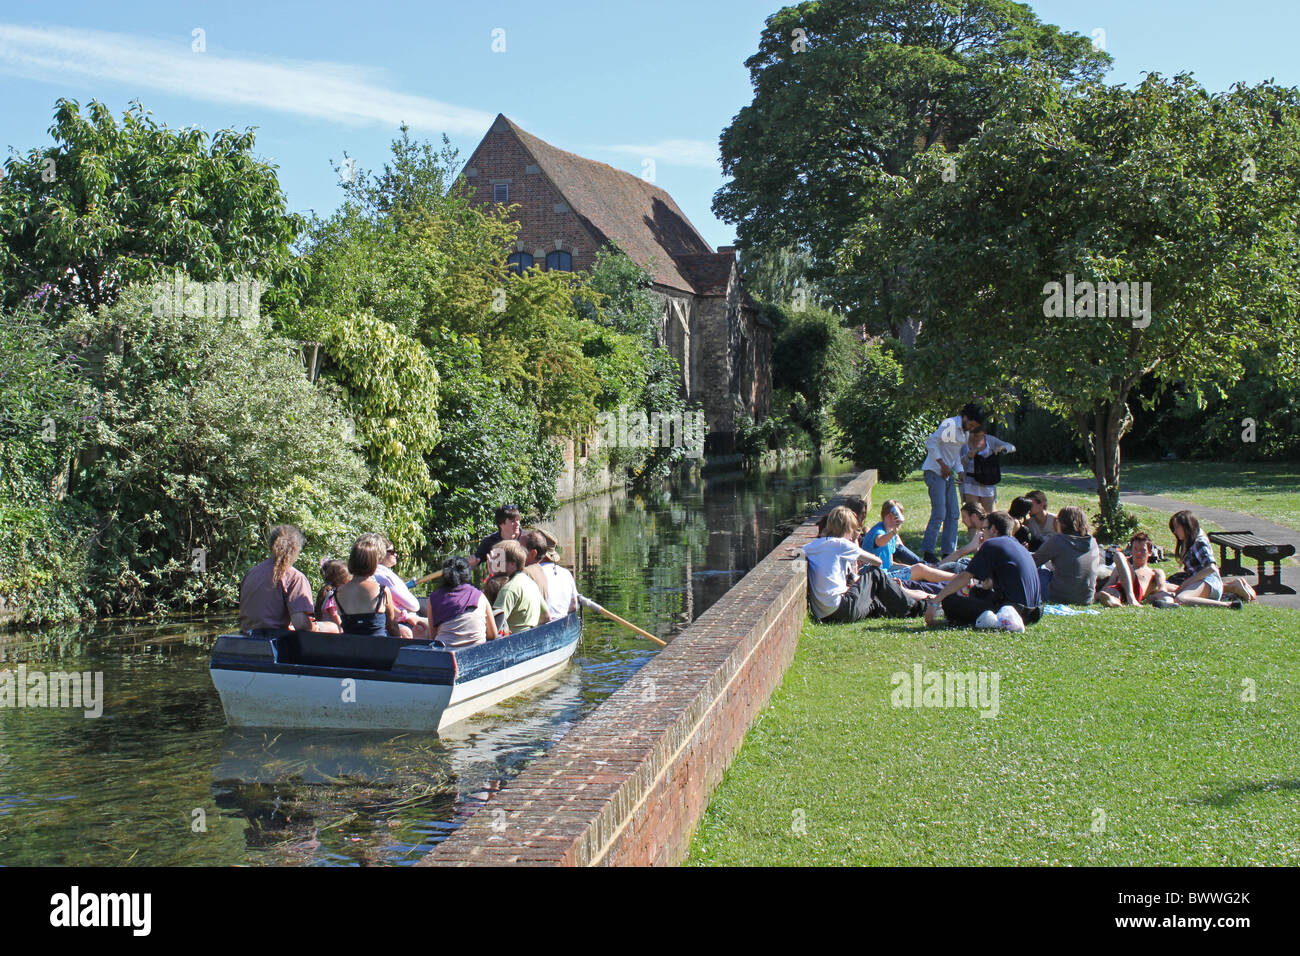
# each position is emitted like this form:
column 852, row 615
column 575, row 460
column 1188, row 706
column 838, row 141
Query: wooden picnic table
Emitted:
column 1257, row 548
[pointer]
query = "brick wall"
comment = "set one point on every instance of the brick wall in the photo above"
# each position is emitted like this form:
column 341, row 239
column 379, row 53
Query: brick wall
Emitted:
column 629, row 782
column 500, row 157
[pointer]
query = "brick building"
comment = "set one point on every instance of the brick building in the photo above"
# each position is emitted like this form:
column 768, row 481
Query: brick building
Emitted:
column 569, row 207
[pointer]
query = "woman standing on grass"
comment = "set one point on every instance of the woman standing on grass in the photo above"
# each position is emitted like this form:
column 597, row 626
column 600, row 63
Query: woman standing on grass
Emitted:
column 1199, row 583
column 982, row 470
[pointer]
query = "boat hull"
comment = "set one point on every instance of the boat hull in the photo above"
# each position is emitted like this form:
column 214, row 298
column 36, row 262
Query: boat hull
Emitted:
column 294, row 680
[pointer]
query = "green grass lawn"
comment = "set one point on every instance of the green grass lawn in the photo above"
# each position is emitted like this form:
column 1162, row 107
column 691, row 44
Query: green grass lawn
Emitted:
column 1271, row 492
column 1120, row 739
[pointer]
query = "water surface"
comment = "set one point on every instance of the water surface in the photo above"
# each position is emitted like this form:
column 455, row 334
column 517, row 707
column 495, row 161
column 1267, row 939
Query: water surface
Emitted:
column 159, row 779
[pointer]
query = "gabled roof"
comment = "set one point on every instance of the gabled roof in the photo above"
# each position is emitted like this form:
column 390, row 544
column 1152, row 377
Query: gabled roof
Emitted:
column 637, row 216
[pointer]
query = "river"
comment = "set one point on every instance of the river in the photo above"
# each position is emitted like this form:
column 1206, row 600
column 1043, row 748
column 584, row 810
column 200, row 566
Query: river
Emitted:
column 159, row 779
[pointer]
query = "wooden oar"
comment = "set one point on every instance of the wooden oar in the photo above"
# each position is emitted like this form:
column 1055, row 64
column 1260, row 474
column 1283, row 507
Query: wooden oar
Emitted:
column 427, row 578
column 589, row 603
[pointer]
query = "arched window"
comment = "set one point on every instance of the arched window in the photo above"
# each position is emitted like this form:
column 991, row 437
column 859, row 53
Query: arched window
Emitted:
column 559, row 261
column 519, row 263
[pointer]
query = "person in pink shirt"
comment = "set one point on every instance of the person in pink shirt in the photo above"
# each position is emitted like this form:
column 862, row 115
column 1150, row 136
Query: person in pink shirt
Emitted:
column 336, row 575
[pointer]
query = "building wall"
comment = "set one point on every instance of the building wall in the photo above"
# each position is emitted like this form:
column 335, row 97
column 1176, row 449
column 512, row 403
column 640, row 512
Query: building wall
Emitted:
column 722, row 351
column 544, row 220
column 674, row 333
column 575, row 480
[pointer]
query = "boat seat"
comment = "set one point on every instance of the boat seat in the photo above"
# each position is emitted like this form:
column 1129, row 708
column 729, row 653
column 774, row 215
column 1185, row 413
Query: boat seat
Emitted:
column 341, row 650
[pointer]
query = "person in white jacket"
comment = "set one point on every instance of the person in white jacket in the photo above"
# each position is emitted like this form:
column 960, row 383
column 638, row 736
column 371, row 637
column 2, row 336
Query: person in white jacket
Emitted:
column 942, row 471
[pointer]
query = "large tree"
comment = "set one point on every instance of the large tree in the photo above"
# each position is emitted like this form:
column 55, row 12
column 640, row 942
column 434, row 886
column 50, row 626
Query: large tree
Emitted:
column 845, row 92
column 110, row 204
column 1189, row 199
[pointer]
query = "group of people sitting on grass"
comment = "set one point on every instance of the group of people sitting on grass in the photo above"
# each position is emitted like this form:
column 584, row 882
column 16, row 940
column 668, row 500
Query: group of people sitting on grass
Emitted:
column 1014, row 564
column 525, row 586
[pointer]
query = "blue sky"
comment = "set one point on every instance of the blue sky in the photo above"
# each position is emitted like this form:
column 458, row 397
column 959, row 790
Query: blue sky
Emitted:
column 621, row 82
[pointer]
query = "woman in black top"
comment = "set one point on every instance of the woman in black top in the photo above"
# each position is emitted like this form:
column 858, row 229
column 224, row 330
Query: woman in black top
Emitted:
column 365, row 605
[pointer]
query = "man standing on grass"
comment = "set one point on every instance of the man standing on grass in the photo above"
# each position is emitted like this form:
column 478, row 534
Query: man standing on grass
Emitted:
column 1006, row 565
column 942, row 471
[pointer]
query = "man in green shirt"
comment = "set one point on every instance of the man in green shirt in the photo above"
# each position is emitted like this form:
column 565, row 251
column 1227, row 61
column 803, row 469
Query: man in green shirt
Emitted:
column 519, row 597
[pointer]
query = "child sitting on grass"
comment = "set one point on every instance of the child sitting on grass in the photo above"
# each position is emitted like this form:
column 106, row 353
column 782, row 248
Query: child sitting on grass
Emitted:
column 885, row 538
column 840, row 588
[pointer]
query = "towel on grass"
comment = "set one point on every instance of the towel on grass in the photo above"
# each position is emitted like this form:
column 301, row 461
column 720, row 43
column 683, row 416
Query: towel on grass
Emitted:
column 1067, row 611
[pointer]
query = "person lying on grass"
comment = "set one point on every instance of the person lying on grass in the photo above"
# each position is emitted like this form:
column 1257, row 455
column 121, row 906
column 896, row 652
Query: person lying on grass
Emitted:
column 840, row 588
column 1133, row 580
column 885, row 538
column 1199, row 583
column 1007, row 571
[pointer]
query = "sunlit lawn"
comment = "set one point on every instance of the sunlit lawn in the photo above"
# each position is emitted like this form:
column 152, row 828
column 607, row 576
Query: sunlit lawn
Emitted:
column 1121, row 738
column 1271, row 492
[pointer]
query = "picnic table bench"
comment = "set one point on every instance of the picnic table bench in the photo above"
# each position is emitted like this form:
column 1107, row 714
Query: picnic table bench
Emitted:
column 1261, row 550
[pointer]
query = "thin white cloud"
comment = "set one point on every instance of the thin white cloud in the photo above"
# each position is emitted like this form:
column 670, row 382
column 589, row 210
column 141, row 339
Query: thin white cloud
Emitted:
column 335, row 92
column 699, row 153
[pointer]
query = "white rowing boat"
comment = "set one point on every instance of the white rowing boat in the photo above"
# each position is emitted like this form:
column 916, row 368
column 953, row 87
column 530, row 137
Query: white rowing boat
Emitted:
column 301, row 679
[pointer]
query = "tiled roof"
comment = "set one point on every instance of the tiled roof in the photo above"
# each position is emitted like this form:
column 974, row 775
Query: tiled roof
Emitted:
column 637, row 216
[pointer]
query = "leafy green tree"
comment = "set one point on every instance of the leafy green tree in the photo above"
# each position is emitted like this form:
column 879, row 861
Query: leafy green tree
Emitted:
column 42, row 409
column 408, row 246
column 206, row 433
column 110, row 204
column 634, row 371
column 491, row 452
column 390, row 389
column 781, row 274
column 1188, row 198
column 845, row 93
column 814, row 356
column 880, row 423
column 534, row 346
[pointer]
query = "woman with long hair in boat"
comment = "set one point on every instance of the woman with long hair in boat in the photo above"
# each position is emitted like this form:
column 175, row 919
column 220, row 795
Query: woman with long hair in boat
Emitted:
column 275, row 595
column 459, row 613
column 365, row 605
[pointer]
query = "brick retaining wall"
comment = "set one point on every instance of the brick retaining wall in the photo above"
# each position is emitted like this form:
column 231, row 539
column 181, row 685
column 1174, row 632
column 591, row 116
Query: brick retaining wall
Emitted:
column 628, row 784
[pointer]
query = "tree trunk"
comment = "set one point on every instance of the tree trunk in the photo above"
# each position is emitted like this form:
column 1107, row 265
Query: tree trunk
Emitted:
column 1110, row 422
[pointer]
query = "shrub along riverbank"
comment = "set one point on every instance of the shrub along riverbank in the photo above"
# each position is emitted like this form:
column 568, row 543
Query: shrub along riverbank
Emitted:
column 153, row 426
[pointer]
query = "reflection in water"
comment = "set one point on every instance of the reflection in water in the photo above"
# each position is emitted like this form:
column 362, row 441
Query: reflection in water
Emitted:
column 160, row 779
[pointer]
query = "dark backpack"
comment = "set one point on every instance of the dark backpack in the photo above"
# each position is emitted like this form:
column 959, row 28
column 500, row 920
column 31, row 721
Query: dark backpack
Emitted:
column 986, row 469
